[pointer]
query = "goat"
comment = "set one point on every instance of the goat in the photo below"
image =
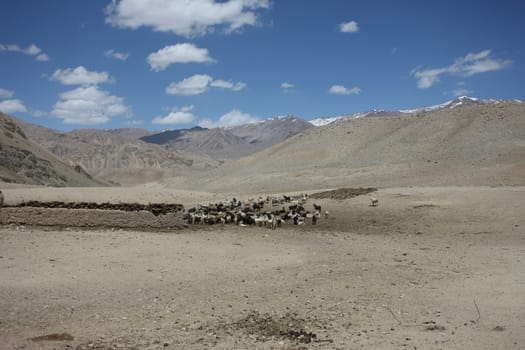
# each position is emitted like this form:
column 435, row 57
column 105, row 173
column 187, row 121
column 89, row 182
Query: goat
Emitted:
column 374, row 201
column 317, row 207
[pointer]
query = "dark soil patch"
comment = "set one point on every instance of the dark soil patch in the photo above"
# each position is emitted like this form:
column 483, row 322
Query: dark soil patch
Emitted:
column 53, row 337
column 267, row 327
column 343, row 193
column 425, row 206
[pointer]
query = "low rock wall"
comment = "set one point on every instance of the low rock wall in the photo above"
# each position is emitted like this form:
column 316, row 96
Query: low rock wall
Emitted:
column 90, row 218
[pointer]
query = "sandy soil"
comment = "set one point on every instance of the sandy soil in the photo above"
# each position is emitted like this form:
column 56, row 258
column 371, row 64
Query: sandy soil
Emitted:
column 429, row 268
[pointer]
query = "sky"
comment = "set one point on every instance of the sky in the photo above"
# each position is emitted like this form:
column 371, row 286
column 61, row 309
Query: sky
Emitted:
column 171, row 64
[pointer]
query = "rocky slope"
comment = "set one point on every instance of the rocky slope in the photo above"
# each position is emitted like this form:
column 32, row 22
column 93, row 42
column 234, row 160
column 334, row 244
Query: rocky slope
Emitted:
column 22, row 161
column 271, row 131
column 110, row 149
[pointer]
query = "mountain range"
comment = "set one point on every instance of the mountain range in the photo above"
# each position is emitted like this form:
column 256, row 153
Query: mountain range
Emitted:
column 132, row 156
column 471, row 144
column 461, row 101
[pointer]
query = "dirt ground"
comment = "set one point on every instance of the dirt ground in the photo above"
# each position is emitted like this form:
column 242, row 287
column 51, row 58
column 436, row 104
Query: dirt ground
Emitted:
column 428, row 268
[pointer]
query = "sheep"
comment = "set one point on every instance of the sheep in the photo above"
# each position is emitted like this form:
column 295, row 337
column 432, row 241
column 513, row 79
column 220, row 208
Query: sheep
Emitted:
column 326, row 214
column 317, row 207
column 374, row 201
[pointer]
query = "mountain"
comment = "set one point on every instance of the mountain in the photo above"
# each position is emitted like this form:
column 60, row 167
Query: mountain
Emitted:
column 462, row 101
column 233, row 142
column 217, row 143
column 478, row 144
column 110, row 149
column 322, row 121
column 22, row 161
column 271, row 131
column 455, row 103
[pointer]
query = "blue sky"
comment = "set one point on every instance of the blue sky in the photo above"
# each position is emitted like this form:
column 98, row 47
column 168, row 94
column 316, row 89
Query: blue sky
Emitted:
column 158, row 64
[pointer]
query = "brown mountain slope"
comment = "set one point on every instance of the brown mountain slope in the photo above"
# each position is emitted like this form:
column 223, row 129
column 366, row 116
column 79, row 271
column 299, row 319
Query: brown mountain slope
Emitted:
column 472, row 145
column 270, row 131
column 217, row 143
column 110, row 149
column 22, row 161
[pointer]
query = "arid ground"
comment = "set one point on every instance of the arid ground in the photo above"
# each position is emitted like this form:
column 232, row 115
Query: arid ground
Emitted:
column 429, row 268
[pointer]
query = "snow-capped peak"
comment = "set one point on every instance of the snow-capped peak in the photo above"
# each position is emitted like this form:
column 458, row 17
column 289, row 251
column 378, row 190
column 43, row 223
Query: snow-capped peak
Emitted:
column 457, row 102
column 329, row 120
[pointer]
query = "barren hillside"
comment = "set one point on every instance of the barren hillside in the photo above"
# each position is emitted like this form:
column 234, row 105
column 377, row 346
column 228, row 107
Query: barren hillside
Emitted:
column 102, row 149
column 271, row 131
column 471, row 145
column 22, row 161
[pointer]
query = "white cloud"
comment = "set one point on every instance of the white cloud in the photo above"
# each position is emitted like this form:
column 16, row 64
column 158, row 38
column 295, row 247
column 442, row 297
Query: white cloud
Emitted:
column 181, row 115
column 80, row 76
column 471, row 64
column 6, row 93
column 223, row 84
column 31, row 50
column 341, row 90
column 194, row 85
column 89, row 106
column 199, row 83
column 42, row 57
column 286, row 85
column 12, row 106
column 116, row 55
column 183, row 17
column 232, row 118
column 349, row 27
column 179, row 53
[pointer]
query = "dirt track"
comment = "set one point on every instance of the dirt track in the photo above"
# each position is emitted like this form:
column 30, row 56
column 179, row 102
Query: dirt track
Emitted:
column 429, row 268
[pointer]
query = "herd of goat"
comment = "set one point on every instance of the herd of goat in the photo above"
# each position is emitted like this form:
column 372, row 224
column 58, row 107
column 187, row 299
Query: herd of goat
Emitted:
column 269, row 211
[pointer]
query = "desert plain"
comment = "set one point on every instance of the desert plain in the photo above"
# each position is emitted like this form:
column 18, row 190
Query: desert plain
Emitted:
column 428, row 268
column 437, row 264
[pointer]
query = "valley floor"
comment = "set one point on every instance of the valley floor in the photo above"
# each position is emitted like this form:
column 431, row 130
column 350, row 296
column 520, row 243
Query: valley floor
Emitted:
column 429, row 268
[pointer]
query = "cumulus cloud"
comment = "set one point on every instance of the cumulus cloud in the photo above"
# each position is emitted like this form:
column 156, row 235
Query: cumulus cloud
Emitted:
column 12, row 106
column 116, row 55
column 89, row 106
column 349, row 27
column 199, row 83
column 181, row 115
column 471, row 64
column 194, row 85
column 232, row 118
column 6, row 93
column 80, row 76
column 223, row 84
column 31, row 50
column 341, row 90
column 183, row 17
column 179, row 53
